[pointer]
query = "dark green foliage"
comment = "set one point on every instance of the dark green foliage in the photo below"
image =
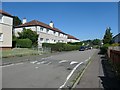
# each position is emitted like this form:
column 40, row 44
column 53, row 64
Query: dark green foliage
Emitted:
column 24, row 43
column 68, row 47
column 27, row 33
column 96, row 42
column 108, row 36
column 104, row 48
column 16, row 21
column 14, row 39
column 61, row 46
column 75, row 43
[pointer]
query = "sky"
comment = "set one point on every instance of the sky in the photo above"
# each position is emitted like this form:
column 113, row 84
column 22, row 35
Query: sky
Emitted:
column 84, row 20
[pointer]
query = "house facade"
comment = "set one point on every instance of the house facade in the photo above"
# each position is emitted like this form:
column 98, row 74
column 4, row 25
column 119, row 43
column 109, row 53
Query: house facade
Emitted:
column 116, row 39
column 6, row 26
column 72, row 39
column 47, row 33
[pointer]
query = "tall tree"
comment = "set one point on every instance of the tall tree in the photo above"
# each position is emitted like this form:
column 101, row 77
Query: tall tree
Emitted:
column 27, row 33
column 16, row 21
column 108, row 36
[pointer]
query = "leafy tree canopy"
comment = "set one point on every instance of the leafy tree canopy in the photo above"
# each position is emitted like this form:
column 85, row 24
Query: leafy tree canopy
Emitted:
column 16, row 21
column 96, row 42
column 28, row 33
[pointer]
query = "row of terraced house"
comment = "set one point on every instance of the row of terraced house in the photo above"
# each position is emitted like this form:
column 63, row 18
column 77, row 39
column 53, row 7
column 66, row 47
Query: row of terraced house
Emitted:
column 47, row 33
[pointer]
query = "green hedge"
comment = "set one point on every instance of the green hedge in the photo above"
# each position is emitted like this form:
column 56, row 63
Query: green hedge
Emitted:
column 61, row 46
column 24, row 43
column 104, row 48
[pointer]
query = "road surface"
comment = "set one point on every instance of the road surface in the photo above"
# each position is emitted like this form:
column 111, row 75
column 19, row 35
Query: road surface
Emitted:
column 49, row 72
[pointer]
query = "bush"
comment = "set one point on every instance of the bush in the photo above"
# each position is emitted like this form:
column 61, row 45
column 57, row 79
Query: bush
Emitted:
column 115, row 44
column 104, row 48
column 24, row 43
column 61, row 46
column 13, row 43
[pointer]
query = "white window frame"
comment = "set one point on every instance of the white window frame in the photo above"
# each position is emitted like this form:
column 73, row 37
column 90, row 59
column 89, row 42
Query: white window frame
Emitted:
column 1, row 36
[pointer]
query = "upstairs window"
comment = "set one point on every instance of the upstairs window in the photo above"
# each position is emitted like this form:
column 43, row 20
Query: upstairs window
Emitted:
column 54, row 32
column 0, row 18
column 47, row 30
column 1, row 36
column 41, row 29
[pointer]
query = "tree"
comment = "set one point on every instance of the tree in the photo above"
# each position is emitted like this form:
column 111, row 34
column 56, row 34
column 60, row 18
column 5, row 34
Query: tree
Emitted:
column 108, row 36
column 16, row 21
column 28, row 33
column 96, row 42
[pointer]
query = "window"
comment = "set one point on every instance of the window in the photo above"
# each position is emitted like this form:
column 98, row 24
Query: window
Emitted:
column 0, row 18
column 58, row 34
column 47, row 40
column 41, row 29
column 47, row 30
column 41, row 39
column 1, row 36
column 54, row 32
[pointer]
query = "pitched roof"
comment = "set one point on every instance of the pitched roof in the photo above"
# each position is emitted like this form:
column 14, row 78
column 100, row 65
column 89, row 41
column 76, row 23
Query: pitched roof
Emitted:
column 38, row 23
column 71, row 37
column 5, row 13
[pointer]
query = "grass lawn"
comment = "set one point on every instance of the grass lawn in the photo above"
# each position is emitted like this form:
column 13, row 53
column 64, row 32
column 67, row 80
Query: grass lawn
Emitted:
column 19, row 52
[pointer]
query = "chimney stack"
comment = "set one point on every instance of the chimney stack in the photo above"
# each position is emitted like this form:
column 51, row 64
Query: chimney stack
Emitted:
column 24, row 21
column 51, row 24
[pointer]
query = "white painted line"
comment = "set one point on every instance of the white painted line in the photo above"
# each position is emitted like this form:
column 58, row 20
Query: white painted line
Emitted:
column 12, row 65
column 63, row 61
column 70, row 74
column 41, row 62
column 73, row 62
column 38, row 63
column 48, row 63
column 33, row 62
column 36, row 67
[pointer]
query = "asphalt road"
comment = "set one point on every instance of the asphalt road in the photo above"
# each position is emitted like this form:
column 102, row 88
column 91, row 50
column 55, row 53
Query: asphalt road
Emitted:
column 49, row 72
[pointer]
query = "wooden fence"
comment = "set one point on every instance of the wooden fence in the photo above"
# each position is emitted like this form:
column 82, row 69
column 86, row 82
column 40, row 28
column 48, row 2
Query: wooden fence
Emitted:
column 114, row 55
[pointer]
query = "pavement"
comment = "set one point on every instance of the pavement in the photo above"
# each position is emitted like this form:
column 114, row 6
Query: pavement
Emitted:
column 98, row 75
column 46, row 72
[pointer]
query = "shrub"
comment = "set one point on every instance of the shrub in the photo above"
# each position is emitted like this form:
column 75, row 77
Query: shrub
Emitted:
column 24, row 43
column 104, row 48
column 115, row 44
column 13, row 43
column 61, row 46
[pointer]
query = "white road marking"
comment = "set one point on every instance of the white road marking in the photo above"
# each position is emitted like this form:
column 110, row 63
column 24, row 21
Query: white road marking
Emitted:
column 70, row 74
column 36, row 67
column 63, row 61
column 68, row 77
column 12, row 65
column 73, row 62
column 33, row 62
column 41, row 62
column 48, row 63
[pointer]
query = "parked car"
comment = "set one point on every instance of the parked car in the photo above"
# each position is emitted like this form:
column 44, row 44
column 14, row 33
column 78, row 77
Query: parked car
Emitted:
column 82, row 48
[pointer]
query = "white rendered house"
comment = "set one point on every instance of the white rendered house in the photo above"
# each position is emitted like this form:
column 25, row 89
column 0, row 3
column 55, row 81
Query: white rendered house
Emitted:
column 6, row 26
column 72, row 39
column 47, row 33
